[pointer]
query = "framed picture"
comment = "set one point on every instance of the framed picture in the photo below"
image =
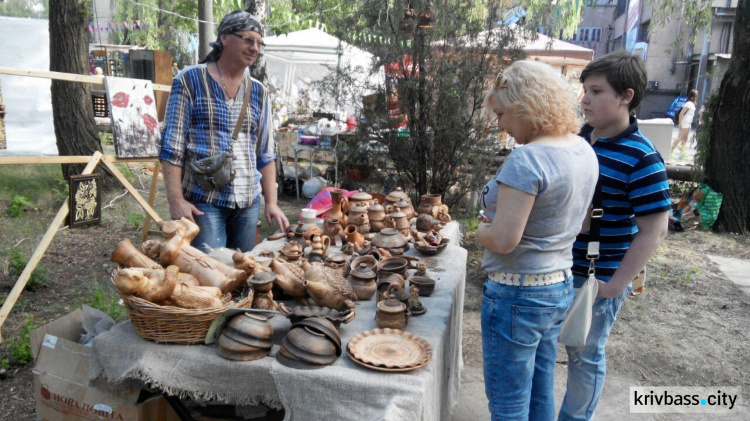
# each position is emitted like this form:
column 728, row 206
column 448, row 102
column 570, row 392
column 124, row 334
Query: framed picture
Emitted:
column 85, row 199
column 132, row 110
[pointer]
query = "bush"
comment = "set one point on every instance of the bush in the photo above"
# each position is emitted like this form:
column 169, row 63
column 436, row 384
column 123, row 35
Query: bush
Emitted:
column 107, row 301
column 20, row 345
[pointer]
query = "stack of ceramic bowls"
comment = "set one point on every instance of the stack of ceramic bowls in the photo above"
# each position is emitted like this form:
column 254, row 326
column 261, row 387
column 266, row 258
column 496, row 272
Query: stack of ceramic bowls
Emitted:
column 313, row 340
column 246, row 337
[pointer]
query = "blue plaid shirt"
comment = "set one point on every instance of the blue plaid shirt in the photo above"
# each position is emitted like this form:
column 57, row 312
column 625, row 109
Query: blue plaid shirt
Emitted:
column 200, row 123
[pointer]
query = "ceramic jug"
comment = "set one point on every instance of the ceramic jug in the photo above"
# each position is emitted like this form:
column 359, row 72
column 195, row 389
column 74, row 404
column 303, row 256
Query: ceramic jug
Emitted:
column 339, row 208
column 392, row 313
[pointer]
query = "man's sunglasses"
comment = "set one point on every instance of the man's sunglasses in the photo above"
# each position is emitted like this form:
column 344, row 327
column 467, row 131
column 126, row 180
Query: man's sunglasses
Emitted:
column 250, row 41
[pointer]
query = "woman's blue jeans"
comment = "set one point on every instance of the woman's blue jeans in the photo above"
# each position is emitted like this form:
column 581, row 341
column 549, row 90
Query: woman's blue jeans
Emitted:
column 226, row 227
column 520, row 327
column 587, row 365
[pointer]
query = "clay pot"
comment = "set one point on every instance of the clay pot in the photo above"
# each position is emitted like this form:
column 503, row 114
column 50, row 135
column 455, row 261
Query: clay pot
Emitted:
column 424, row 284
column 427, row 202
column 319, row 244
column 376, row 226
column 291, row 250
column 360, row 198
column 358, row 217
column 305, row 344
column 399, row 221
column 395, row 196
column 391, row 312
column 392, row 265
column 390, row 238
column 376, row 212
column 426, row 222
column 339, row 208
column 296, row 232
column 354, row 237
column 362, row 278
column 332, row 228
column 406, row 207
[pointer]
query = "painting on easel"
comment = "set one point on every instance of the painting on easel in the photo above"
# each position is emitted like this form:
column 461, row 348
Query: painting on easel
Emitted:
column 134, row 120
column 85, row 199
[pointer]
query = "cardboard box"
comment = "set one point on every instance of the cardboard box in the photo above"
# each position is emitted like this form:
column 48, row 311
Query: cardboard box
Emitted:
column 61, row 383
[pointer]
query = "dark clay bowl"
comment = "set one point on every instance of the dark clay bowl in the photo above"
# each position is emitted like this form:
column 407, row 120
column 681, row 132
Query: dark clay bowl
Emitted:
column 424, row 284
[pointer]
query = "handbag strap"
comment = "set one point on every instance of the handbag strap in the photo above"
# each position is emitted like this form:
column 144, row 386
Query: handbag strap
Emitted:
column 243, row 111
column 592, row 252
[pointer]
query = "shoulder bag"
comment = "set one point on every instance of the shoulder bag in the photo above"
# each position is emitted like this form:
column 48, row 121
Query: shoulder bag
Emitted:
column 577, row 323
column 216, row 171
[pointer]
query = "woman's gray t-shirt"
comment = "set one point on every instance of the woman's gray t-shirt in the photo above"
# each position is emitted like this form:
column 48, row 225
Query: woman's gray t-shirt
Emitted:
column 563, row 180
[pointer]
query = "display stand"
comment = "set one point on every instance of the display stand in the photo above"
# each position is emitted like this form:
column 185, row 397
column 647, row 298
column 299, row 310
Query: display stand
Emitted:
column 92, row 162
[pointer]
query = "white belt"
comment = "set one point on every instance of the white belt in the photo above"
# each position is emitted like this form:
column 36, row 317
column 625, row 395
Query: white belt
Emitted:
column 530, row 280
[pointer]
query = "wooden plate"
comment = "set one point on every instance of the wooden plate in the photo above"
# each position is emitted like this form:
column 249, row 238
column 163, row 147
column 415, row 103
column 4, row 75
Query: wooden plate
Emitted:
column 388, row 370
column 390, row 350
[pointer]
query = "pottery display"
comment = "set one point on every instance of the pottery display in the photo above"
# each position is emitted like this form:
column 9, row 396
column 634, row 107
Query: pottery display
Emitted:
column 127, row 256
column 427, row 222
column 384, row 286
column 392, row 240
column 246, row 337
column 176, row 250
column 389, row 350
column 362, row 277
column 424, row 284
column 296, row 232
column 339, row 208
column 328, row 288
column 297, row 313
column 376, row 214
column 394, row 265
column 405, row 206
column 337, row 261
column 290, row 278
column 262, row 283
column 391, row 312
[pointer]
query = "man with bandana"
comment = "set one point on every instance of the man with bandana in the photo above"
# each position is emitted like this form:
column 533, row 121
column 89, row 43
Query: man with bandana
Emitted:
column 202, row 112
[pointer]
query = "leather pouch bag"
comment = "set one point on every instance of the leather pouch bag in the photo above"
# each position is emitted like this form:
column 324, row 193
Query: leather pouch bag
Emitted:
column 213, row 172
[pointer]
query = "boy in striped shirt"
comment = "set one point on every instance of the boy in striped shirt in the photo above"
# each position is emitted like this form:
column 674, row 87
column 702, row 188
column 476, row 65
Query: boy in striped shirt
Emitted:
column 635, row 200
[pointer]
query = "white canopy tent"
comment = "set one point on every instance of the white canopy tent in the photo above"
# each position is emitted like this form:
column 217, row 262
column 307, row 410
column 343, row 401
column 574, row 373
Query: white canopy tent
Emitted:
column 28, row 101
column 296, row 60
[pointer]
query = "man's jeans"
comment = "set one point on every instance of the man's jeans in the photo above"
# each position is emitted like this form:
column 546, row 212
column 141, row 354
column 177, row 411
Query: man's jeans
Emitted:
column 226, row 227
column 587, row 365
column 520, row 327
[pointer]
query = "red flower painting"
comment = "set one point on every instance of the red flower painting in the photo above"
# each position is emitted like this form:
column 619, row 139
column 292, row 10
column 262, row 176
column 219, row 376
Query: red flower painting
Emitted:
column 120, row 99
column 150, row 122
column 148, row 100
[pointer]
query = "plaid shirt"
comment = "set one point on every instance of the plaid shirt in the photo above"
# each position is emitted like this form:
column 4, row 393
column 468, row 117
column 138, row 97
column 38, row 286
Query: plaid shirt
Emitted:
column 199, row 124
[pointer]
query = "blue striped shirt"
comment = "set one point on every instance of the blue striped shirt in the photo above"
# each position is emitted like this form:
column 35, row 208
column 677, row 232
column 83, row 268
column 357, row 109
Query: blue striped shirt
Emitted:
column 200, row 122
column 634, row 184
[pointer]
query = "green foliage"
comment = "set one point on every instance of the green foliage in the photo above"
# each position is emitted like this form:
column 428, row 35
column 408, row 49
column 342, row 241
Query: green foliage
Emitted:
column 136, row 219
column 37, row 9
column 17, row 263
column 687, row 275
column 5, row 363
column 20, row 345
column 108, row 302
column 19, row 206
column 697, row 12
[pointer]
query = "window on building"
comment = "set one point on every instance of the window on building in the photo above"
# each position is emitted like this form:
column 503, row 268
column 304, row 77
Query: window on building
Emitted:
column 725, row 39
column 620, row 9
column 596, row 34
column 583, row 34
column 643, row 31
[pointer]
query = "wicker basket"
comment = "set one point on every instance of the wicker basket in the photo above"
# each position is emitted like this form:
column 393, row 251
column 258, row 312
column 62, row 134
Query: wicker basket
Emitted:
column 174, row 324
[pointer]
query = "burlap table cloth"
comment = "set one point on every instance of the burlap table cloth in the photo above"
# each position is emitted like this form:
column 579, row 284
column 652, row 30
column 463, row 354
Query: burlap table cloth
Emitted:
column 341, row 391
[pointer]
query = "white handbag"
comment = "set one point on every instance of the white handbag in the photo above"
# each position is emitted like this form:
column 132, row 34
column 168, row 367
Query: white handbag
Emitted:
column 577, row 323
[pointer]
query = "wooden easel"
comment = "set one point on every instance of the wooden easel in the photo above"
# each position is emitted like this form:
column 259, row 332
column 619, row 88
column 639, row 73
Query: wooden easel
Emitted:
column 92, row 162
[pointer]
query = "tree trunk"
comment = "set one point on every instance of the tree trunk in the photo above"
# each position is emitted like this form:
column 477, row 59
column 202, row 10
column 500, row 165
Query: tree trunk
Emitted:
column 72, row 111
column 259, row 8
column 729, row 143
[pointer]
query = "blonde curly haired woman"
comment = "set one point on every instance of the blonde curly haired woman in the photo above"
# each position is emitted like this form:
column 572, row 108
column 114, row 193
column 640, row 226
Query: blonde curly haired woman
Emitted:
column 533, row 208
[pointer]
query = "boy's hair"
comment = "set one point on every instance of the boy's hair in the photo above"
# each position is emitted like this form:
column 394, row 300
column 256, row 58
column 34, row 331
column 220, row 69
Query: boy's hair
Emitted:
column 623, row 71
column 692, row 95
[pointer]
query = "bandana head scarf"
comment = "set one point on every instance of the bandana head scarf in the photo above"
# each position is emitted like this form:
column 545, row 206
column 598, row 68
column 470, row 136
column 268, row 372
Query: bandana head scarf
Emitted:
column 236, row 21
